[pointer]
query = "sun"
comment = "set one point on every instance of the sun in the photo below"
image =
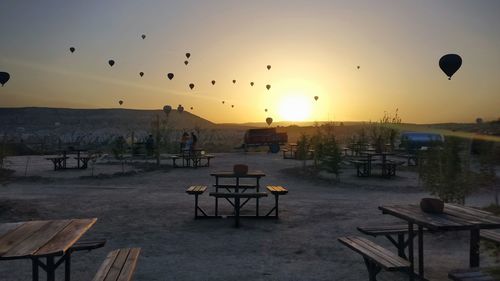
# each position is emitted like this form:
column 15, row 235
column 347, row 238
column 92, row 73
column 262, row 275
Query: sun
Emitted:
column 295, row 108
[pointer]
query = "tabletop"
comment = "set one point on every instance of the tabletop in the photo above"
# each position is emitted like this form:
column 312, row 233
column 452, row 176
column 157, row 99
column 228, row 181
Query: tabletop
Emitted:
column 454, row 217
column 41, row 238
column 231, row 174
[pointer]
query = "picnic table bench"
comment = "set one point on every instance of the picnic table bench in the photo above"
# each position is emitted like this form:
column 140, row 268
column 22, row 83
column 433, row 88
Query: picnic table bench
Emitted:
column 191, row 159
column 276, row 190
column 119, row 265
column 197, row 190
column 376, row 257
column 237, row 196
column 58, row 161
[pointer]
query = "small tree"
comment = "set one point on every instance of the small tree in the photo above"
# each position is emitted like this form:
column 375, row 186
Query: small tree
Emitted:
column 445, row 171
column 331, row 156
column 303, row 149
column 119, row 148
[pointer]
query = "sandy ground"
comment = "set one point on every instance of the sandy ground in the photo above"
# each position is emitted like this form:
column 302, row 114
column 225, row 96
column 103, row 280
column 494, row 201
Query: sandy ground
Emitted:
column 150, row 209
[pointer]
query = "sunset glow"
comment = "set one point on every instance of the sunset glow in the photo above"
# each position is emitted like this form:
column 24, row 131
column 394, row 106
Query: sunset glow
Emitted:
column 295, row 108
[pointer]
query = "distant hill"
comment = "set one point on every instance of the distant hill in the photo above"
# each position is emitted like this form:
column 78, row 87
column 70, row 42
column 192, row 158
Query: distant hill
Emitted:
column 89, row 125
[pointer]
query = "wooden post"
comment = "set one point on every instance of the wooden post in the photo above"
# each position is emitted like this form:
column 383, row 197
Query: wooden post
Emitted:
column 157, row 140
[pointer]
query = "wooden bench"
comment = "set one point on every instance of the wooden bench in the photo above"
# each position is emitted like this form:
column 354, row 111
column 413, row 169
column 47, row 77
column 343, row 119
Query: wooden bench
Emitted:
column 376, row 257
column 237, row 197
column 474, row 274
column 276, row 190
column 389, row 231
column 490, row 235
column 119, row 265
column 197, row 190
column 362, row 166
column 59, row 162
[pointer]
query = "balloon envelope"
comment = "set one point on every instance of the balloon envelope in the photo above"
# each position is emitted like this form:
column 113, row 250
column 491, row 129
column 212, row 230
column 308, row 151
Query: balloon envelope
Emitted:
column 234, row 81
column 143, row 36
column 268, row 86
column 268, row 67
column 269, row 120
column 316, row 97
column 265, row 110
column 223, row 102
column 141, row 74
column 191, row 86
column 213, row 82
column 191, row 108
column 111, row 62
column 358, row 66
column 449, row 64
column 120, row 102
column 72, row 49
column 4, row 77
column 170, row 76
column 188, row 55
column 180, row 108
column 232, row 105
column 251, row 84
column 186, row 62
column 167, row 109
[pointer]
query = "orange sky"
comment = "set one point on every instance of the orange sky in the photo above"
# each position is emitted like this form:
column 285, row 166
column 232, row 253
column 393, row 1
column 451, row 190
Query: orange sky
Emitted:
column 314, row 48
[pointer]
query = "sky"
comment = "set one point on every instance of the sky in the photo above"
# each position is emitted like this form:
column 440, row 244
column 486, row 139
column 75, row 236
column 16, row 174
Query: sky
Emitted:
column 313, row 46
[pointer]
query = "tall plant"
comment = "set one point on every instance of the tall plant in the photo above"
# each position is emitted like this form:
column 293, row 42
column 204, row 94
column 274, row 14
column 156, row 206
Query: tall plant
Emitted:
column 445, row 171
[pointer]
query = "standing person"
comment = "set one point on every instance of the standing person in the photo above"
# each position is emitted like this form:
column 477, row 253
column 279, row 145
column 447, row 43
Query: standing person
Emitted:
column 150, row 145
column 184, row 141
column 194, row 140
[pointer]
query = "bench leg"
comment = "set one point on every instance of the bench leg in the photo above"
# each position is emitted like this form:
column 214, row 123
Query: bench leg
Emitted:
column 276, row 199
column 373, row 269
column 410, row 251
column 237, row 211
column 474, row 248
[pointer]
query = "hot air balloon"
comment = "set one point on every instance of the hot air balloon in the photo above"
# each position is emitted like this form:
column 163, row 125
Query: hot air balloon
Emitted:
column 141, row 74
column 120, row 102
column 269, row 121
column 143, row 36
column 213, row 82
column 316, row 97
column 170, row 76
column 167, row 109
column 268, row 67
column 188, row 55
column 111, row 62
column 449, row 64
column 191, row 108
column 265, row 110
column 251, row 84
column 358, row 67
column 72, row 49
column 232, row 105
column 186, row 62
column 268, row 86
column 191, row 86
column 223, row 102
column 180, row 108
column 234, row 81
column 4, row 77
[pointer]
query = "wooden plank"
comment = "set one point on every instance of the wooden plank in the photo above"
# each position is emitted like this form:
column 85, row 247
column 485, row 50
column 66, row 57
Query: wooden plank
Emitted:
column 116, row 268
column 105, row 266
column 130, row 265
column 490, row 235
column 384, row 229
column 240, row 195
column 66, row 237
column 377, row 254
column 480, row 216
column 414, row 214
column 37, row 239
column 7, row 227
column 18, row 235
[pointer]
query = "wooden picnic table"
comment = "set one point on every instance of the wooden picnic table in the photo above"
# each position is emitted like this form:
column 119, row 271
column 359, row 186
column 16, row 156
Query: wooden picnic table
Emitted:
column 36, row 240
column 454, row 218
column 236, row 185
column 387, row 166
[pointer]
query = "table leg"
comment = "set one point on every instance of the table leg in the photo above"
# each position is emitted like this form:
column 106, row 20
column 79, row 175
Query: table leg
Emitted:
column 67, row 267
column 216, row 199
column 237, row 211
column 410, row 251
column 421, row 251
column 34, row 266
column 257, row 199
column 51, row 269
column 474, row 248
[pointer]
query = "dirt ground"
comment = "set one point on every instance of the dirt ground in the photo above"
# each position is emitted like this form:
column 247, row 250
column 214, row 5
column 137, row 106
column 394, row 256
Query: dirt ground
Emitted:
column 149, row 208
